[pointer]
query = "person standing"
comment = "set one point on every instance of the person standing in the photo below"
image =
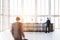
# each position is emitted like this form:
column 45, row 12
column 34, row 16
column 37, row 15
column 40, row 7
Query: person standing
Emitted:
column 17, row 30
column 47, row 25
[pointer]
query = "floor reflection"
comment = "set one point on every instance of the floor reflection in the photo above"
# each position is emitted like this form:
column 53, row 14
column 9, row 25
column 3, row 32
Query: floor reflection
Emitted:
column 6, row 35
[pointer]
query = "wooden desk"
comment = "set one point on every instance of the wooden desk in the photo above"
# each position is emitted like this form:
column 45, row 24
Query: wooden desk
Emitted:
column 37, row 27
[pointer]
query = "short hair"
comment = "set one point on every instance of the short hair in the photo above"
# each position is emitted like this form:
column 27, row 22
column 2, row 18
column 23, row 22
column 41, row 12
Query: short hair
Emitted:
column 48, row 18
column 17, row 18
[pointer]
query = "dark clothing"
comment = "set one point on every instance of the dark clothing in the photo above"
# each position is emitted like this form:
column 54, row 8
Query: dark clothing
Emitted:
column 47, row 25
column 17, row 39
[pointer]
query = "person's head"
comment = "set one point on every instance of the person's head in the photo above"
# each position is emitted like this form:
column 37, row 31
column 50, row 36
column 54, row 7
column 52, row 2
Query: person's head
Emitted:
column 17, row 18
column 48, row 18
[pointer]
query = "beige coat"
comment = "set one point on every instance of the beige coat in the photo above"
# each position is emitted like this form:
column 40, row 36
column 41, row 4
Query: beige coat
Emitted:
column 17, row 30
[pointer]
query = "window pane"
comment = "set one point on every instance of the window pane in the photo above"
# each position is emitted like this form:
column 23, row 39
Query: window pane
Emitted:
column 12, row 19
column 5, row 7
column 15, row 7
column 59, row 22
column 42, row 7
column 11, row 7
column 59, row 7
column 56, row 7
column 52, row 20
column 39, row 11
column 5, row 22
column 0, row 23
column 20, row 8
column 52, row 7
column 29, row 7
column 15, row 10
column 41, row 19
column 0, row 6
column 28, row 19
column 56, row 22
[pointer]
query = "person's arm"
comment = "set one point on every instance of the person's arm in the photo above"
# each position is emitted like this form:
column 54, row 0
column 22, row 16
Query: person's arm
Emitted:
column 22, row 30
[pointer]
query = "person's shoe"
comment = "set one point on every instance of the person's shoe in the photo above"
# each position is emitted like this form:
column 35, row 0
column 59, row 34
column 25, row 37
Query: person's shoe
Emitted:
column 48, row 32
column 45, row 32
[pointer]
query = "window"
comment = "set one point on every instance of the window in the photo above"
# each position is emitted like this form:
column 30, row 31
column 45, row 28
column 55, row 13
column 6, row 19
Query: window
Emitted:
column 53, row 20
column 32, row 11
column 5, row 22
column 0, row 15
column 0, row 23
column 24, row 9
column 52, row 7
column 56, row 22
column 0, row 7
column 42, row 7
column 41, row 19
column 5, row 7
column 59, row 7
column 59, row 22
column 56, row 7
column 28, row 19
column 29, row 7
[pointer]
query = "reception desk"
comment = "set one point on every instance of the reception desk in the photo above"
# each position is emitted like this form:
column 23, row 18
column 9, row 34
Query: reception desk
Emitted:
column 37, row 27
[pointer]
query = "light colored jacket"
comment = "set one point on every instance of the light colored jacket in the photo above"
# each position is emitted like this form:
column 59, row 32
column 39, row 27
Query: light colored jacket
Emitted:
column 17, row 30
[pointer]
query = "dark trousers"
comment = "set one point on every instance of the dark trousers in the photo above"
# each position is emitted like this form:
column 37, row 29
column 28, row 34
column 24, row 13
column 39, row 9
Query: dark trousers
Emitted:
column 47, row 28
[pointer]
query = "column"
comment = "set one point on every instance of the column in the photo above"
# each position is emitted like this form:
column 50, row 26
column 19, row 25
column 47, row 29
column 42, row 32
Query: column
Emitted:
column 5, row 15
